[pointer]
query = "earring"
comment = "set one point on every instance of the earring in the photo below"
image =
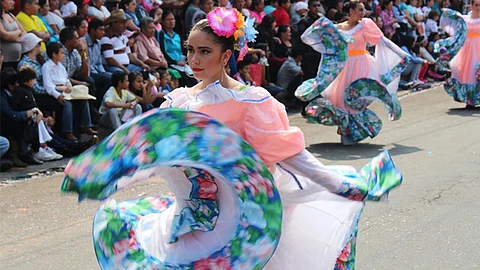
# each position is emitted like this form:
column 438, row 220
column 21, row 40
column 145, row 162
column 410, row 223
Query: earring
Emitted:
column 223, row 73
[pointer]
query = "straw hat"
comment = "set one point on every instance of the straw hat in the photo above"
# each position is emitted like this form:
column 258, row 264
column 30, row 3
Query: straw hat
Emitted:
column 116, row 16
column 79, row 92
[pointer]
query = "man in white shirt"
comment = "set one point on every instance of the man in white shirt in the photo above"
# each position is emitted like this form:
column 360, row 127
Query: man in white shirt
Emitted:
column 56, row 81
column 116, row 53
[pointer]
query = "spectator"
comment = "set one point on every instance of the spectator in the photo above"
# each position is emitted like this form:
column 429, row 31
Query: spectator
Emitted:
column 431, row 25
column 290, row 75
column 285, row 35
column 118, row 102
column 13, row 122
column 432, row 62
column 309, row 67
column 243, row 74
column 82, row 9
column 205, row 7
column 68, row 9
column 148, row 48
column 428, row 7
column 98, row 10
column 389, row 20
column 129, row 6
column 166, row 84
column 116, row 53
column 142, row 87
column 22, row 100
column 6, row 164
column 256, row 11
column 300, row 9
column 266, row 32
column 171, row 46
column 31, row 58
column 96, row 31
column 76, row 64
column 281, row 12
column 413, row 68
column 140, row 11
column 11, row 32
column 56, row 81
column 416, row 6
column 191, row 10
column 241, row 7
column 31, row 23
column 408, row 14
column 43, row 12
column 157, row 15
column 270, row 6
column 53, row 19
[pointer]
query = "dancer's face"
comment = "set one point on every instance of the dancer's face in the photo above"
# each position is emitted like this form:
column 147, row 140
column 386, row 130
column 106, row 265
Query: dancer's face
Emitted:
column 205, row 57
column 358, row 12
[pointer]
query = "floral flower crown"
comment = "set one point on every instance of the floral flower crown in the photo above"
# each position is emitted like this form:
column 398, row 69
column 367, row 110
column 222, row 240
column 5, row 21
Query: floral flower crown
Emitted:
column 228, row 22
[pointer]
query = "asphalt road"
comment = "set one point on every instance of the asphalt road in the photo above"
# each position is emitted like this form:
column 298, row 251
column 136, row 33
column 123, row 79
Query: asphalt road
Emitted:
column 431, row 221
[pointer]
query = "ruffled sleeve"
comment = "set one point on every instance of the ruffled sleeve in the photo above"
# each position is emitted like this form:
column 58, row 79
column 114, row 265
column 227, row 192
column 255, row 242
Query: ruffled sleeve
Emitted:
column 268, row 131
column 371, row 32
column 178, row 95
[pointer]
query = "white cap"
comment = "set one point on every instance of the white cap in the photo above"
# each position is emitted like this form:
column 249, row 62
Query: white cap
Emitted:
column 29, row 41
column 300, row 5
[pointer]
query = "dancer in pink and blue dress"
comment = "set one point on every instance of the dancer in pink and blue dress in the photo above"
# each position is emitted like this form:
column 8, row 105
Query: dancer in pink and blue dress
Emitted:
column 463, row 48
column 349, row 78
column 247, row 193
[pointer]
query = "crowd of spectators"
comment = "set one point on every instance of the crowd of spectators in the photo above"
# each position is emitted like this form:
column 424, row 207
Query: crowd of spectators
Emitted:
column 69, row 67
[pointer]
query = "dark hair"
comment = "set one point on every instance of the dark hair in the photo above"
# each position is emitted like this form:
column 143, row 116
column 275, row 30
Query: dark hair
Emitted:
column 432, row 14
column 294, row 52
column 352, row 5
column 266, row 23
column 282, row 29
column 95, row 23
column 224, row 42
column 310, row 2
column 76, row 21
column 166, row 13
column 408, row 41
column 52, row 48
column 132, row 77
column 385, row 4
column 117, row 77
column 9, row 77
column 432, row 36
column 254, row 3
column 26, row 74
column 67, row 33
column 419, row 38
column 281, row 2
column 24, row 2
column 152, row 12
column 124, row 3
column 144, row 22
column 242, row 64
column 42, row 3
column 162, row 72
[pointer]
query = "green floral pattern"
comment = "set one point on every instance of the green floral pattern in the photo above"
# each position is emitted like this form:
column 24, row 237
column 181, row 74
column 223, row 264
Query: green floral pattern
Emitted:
column 174, row 137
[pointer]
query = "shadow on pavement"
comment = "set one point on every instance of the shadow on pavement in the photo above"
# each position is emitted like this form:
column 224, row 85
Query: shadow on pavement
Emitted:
column 464, row 111
column 336, row 151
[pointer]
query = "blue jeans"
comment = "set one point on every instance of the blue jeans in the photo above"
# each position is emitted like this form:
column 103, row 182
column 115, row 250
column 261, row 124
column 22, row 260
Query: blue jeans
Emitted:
column 4, row 145
column 82, row 114
column 130, row 67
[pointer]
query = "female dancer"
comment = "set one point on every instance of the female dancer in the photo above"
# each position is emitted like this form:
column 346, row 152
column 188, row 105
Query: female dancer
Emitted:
column 350, row 78
column 321, row 205
column 464, row 47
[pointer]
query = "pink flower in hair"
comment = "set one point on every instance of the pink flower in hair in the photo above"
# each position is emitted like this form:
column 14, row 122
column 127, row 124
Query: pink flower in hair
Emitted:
column 223, row 21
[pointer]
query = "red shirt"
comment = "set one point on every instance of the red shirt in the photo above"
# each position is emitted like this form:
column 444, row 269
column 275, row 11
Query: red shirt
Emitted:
column 281, row 16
